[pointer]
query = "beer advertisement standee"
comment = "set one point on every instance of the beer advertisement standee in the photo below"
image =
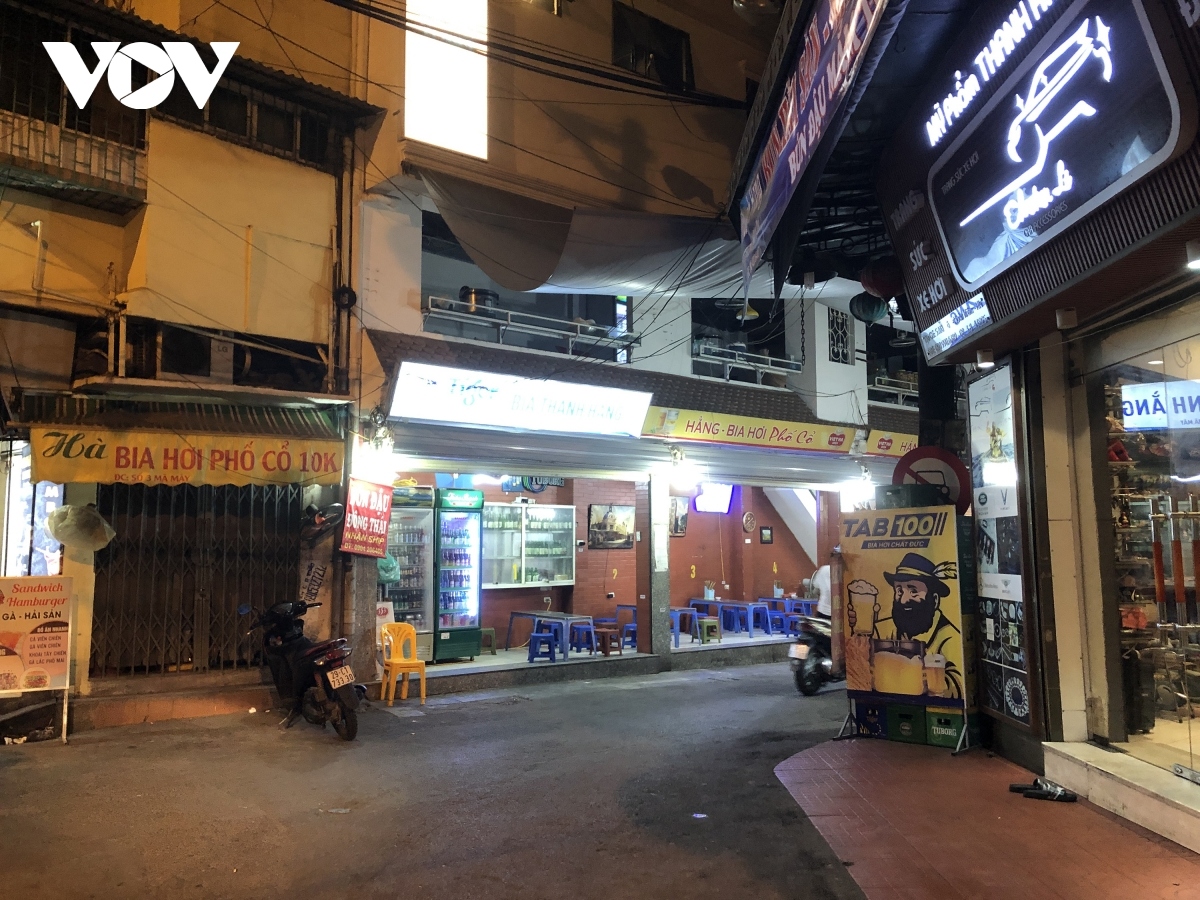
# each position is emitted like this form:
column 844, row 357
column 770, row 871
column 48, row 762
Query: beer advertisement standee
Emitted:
column 909, row 672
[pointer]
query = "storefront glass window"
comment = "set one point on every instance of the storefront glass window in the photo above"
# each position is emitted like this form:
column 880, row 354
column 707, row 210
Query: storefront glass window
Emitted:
column 28, row 547
column 1152, row 417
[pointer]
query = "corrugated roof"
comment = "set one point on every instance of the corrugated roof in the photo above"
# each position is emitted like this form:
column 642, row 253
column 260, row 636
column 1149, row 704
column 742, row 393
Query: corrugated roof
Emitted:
column 203, row 418
column 677, row 391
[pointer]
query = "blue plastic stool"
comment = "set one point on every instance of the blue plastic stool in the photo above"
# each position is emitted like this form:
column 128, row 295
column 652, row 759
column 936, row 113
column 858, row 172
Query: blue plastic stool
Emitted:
column 629, row 635
column 734, row 619
column 581, row 632
column 778, row 621
column 792, row 623
column 604, row 621
column 762, row 619
column 542, row 645
column 553, row 626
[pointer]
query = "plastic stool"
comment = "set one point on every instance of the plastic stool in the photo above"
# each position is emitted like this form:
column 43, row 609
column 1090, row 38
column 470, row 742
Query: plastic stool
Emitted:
column 487, row 640
column 553, row 626
column 608, row 639
column 581, row 632
column 542, row 645
column 710, row 626
column 792, row 623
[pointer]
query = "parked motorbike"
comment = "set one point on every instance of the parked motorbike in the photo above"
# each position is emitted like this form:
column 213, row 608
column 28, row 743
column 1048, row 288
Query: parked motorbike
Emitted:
column 314, row 678
column 812, row 655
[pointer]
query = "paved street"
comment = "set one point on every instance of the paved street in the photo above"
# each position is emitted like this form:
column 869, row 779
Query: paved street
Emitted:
column 587, row 790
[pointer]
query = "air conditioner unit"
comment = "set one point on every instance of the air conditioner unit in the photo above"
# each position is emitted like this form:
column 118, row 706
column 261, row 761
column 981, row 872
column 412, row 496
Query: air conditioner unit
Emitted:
column 187, row 356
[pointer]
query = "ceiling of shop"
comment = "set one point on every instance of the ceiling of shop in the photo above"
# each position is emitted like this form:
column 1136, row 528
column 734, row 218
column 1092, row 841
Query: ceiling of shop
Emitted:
column 845, row 218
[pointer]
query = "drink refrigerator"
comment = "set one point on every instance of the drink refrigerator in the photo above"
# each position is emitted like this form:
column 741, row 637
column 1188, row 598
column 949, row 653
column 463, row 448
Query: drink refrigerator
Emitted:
column 459, row 553
column 411, row 543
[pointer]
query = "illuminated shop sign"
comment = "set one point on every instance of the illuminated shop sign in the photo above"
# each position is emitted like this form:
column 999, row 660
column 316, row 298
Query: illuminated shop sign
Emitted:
column 1088, row 112
column 987, row 63
column 489, row 400
column 949, row 330
column 1160, row 405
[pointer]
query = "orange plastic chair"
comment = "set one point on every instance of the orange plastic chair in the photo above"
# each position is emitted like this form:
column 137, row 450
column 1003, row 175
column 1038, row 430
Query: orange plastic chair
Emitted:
column 400, row 660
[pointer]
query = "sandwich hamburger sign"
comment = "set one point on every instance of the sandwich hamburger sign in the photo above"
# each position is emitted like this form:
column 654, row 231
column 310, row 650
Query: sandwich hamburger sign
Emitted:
column 35, row 628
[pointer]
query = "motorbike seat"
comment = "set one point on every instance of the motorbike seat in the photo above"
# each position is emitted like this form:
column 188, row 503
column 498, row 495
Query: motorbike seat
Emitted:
column 324, row 647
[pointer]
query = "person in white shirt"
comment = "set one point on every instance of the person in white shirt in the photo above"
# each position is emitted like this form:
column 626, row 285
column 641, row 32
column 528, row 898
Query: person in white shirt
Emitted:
column 824, row 594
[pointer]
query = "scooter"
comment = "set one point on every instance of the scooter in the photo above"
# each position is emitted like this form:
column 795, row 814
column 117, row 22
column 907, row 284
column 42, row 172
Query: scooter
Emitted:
column 812, row 655
column 318, row 672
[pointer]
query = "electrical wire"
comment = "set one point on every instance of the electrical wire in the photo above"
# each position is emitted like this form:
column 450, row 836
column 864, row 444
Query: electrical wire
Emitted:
column 532, row 56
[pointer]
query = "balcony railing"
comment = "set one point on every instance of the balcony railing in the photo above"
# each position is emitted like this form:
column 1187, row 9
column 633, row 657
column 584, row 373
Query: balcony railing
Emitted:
column 45, row 158
column 728, row 359
column 503, row 322
column 893, row 392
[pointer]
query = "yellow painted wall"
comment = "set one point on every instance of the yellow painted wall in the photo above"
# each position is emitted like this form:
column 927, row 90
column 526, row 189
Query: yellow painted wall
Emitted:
column 232, row 238
column 593, row 147
column 306, row 38
column 618, row 150
column 80, row 245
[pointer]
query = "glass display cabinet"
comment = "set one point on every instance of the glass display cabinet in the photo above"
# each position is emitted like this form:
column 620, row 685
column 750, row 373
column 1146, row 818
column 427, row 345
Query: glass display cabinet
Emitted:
column 528, row 544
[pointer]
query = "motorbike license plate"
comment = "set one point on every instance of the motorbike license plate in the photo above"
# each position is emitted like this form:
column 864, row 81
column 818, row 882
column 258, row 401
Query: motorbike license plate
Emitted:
column 798, row 651
column 340, row 677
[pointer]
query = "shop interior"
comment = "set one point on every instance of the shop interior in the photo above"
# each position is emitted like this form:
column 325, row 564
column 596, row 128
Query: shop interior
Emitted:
column 26, row 545
column 578, row 550
column 1152, row 433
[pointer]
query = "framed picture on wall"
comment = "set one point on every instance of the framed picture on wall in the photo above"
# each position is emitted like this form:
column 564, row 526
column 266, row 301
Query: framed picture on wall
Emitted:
column 679, row 515
column 610, row 527
column 766, row 535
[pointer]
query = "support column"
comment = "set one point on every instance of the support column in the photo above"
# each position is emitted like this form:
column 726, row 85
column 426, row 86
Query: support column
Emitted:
column 659, row 624
column 80, row 567
column 829, row 552
column 362, row 596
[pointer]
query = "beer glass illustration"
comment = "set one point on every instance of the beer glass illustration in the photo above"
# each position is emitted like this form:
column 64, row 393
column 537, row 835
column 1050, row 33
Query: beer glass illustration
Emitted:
column 864, row 597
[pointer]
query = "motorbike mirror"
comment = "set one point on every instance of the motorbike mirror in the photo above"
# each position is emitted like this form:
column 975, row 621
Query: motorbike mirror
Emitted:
column 244, row 609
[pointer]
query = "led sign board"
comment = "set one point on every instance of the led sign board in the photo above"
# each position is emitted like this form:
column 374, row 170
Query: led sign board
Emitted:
column 1089, row 111
column 1160, row 405
column 951, row 329
column 988, row 62
column 490, row 400
column 714, row 498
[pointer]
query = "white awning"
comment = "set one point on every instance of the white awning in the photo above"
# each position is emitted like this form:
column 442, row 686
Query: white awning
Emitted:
column 497, row 452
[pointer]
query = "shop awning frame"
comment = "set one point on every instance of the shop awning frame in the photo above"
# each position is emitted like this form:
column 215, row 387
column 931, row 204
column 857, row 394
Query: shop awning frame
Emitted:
column 441, row 448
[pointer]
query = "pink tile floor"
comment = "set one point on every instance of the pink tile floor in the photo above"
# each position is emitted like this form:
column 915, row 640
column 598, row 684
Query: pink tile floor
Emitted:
column 914, row 822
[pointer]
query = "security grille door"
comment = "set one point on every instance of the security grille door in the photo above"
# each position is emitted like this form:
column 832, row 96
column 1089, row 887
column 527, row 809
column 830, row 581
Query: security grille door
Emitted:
column 169, row 585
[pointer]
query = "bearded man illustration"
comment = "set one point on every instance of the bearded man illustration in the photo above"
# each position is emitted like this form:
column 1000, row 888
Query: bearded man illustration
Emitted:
column 918, row 589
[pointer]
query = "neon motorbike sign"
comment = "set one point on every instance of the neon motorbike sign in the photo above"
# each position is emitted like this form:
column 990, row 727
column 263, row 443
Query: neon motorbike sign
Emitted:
column 1087, row 113
column 1049, row 80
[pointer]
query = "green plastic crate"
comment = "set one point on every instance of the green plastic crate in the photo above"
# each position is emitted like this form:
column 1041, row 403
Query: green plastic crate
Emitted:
column 943, row 727
column 906, row 723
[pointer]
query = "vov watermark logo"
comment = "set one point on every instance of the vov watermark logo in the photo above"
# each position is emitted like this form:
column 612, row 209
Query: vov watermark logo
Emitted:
column 164, row 61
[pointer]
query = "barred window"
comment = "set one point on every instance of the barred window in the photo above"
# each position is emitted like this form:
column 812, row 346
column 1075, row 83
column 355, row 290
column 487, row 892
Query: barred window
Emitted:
column 841, row 338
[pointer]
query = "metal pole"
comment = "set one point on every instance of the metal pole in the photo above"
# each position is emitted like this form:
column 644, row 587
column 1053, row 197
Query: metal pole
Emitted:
column 67, row 689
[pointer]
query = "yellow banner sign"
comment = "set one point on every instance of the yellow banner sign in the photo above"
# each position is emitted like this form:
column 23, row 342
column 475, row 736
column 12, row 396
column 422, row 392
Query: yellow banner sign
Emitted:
column 93, row 455
column 889, row 443
column 717, row 428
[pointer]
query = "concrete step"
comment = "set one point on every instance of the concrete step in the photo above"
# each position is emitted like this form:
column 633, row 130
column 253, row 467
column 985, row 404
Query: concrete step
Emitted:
column 1158, row 800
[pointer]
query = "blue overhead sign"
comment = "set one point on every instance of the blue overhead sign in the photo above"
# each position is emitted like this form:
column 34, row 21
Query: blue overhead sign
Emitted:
column 835, row 45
